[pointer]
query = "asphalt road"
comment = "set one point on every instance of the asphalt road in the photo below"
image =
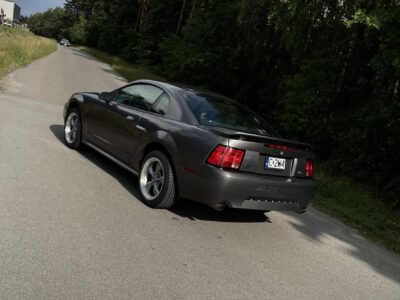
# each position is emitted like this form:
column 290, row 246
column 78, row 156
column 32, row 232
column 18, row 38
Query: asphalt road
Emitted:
column 72, row 227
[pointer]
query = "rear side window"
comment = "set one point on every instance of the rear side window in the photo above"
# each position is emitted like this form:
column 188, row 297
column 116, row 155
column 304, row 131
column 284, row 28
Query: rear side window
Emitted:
column 162, row 105
column 217, row 111
column 141, row 96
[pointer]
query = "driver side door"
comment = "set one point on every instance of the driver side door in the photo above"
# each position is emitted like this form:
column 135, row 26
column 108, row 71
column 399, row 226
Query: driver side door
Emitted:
column 116, row 122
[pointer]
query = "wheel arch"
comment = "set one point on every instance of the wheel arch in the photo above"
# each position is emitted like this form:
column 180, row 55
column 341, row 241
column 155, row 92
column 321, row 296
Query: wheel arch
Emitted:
column 75, row 101
column 159, row 146
column 73, row 104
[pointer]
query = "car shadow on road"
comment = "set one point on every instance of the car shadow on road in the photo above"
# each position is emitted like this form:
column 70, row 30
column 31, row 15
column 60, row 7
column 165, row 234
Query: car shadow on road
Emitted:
column 196, row 211
column 186, row 209
column 124, row 177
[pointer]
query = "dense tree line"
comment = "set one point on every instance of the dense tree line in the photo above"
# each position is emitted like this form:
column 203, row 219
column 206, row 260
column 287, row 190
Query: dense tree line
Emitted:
column 323, row 71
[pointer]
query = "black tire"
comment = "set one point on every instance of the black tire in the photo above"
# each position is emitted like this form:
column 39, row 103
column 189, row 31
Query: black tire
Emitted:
column 168, row 195
column 76, row 141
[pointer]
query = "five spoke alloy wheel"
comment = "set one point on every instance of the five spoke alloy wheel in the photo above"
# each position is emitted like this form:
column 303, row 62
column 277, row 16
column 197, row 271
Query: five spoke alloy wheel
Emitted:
column 152, row 178
column 157, row 181
column 72, row 129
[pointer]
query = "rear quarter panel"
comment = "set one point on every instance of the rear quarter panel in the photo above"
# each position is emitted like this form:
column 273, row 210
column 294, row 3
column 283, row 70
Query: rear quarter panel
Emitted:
column 187, row 145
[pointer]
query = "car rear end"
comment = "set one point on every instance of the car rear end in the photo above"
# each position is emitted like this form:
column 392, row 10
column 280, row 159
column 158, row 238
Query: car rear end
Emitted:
column 248, row 166
column 256, row 175
column 262, row 173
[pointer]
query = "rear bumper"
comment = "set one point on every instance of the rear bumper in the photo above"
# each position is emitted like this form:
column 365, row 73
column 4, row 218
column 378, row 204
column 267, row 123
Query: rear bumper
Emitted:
column 216, row 187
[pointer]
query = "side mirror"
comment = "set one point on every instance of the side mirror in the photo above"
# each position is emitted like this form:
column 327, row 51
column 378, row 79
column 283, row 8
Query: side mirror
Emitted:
column 106, row 96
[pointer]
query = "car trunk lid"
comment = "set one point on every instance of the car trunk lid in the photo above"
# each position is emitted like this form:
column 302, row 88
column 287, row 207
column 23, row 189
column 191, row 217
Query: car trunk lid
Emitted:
column 267, row 155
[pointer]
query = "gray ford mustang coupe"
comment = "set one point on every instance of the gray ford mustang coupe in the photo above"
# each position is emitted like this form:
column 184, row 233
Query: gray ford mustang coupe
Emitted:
column 186, row 143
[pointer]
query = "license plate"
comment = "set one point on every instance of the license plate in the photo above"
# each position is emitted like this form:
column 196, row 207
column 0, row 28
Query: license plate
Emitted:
column 275, row 163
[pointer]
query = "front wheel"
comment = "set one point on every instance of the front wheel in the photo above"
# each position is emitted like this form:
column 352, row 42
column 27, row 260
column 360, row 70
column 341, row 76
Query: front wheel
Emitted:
column 157, row 181
column 73, row 129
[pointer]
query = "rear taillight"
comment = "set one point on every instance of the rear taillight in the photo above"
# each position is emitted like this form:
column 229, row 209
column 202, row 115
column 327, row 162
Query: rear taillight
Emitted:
column 226, row 157
column 309, row 168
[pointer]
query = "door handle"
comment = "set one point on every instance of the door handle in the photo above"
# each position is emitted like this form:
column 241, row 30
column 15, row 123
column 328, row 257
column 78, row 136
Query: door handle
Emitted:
column 130, row 118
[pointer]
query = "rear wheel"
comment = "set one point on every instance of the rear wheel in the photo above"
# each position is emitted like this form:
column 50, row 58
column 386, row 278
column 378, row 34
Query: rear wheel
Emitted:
column 73, row 129
column 157, row 181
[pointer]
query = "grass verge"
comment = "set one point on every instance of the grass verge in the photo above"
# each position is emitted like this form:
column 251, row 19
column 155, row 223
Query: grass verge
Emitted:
column 353, row 204
column 127, row 70
column 359, row 207
column 18, row 48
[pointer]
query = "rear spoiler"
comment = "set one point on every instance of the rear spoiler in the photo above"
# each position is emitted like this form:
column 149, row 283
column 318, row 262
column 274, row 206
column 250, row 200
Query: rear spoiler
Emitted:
column 244, row 136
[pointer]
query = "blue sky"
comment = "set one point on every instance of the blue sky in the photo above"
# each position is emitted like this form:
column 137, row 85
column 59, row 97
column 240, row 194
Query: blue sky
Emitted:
column 31, row 6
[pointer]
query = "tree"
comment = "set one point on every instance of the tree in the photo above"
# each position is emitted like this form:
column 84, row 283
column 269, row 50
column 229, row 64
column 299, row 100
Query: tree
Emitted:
column 79, row 31
column 52, row 23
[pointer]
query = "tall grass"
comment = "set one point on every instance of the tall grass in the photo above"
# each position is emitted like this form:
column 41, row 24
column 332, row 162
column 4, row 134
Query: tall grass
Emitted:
column 18, row 48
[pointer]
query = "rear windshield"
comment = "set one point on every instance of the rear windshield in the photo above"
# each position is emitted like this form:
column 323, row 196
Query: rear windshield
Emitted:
column 216, row 111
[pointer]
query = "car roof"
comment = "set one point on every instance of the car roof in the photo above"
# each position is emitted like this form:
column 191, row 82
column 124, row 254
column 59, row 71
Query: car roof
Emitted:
column 176, row 87
column 161, row 84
